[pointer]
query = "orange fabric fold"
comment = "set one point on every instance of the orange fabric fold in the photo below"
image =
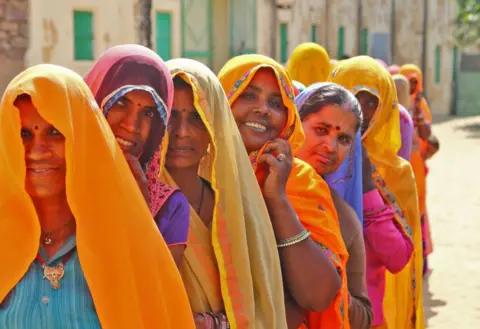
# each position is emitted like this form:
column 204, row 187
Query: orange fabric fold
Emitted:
column 130, row 273
column 308, row 193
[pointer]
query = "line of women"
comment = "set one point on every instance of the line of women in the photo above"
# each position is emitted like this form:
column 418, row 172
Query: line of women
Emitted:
column 158, row 195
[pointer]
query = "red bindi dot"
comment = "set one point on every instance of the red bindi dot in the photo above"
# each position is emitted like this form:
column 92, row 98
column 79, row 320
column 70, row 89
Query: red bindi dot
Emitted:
column 337, row 127
column 36, row 127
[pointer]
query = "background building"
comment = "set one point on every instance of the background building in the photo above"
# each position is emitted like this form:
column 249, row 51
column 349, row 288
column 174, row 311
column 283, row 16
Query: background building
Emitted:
column 75, row 32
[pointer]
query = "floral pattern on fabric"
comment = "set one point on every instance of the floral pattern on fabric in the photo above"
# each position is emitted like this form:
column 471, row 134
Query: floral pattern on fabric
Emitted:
column 158, row 190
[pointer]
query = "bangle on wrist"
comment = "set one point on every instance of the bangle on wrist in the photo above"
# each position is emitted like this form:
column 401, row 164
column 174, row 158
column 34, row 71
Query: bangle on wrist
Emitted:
column 302, row 236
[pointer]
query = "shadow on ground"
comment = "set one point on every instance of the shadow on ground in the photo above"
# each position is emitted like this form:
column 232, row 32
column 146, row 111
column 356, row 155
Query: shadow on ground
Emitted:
column 472, row 129
column 431, row 304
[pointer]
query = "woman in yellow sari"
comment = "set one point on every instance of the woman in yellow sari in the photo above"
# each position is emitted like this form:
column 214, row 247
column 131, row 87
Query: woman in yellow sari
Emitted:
column 231, row 263
column 403, row 307
column 309, row 63
column 78, row 244
column 298, row 199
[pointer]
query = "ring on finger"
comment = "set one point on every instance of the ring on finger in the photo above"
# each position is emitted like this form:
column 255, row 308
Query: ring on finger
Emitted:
column 281, row 157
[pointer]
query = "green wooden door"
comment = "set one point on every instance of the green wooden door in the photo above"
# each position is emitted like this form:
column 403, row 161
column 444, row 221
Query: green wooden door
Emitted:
column 164, row 35
column 341, row 42
column 243, row 27
column 313, row 33
column 83, row 35
column 364, row 42
column 438, row 64
column 197, row 30
column 283, row 42
column 468, row 80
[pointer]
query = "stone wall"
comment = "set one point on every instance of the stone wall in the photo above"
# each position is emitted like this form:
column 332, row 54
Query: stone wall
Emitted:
column 13, row 39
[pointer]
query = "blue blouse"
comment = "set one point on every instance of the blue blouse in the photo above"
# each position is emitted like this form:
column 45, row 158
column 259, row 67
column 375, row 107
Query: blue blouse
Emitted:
column 33, row 304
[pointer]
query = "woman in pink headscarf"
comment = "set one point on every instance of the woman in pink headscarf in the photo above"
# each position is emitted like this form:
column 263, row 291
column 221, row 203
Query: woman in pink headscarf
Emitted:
column 134, row 89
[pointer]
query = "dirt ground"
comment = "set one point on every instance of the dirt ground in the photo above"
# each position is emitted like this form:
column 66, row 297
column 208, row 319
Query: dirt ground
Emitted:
column 452, row 289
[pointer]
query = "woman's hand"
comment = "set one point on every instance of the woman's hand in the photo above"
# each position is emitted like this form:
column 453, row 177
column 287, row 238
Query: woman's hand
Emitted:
column 367, row 169
column 139, row 175
column 278, row 158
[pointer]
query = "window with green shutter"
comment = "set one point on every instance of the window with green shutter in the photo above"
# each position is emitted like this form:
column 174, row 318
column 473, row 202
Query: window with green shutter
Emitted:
column 283, row 42
column 364, row 42
column 164, row 35
column 83, row 35
column 438, row 64
column 454, row 63
column 341, row 42
column 313, row 33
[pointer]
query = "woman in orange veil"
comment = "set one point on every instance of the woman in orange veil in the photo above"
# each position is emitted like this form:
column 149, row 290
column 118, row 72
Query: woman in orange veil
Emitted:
column 260, row 93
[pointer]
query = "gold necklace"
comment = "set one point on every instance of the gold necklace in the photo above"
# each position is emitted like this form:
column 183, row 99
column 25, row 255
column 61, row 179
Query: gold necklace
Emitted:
column 47, row 238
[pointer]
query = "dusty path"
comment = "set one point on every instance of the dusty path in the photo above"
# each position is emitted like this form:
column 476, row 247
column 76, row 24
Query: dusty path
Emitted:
column 452, row 291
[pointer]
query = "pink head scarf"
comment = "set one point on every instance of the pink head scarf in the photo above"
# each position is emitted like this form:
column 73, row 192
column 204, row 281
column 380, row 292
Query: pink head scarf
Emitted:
column 382, row 62
column 125, row 68
column 394, row 69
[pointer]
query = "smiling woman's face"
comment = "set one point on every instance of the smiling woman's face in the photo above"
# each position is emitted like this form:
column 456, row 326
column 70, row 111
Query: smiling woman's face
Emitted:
column 44, row 153
column 131, row 119
column 259, row 110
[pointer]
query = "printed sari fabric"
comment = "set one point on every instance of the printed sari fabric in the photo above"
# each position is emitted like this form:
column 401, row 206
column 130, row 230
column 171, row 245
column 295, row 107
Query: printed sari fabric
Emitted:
column 125, row 68
column 393, row 176
column 308, row 193
column 309, row 63
column 132, row 278
column 234, row 268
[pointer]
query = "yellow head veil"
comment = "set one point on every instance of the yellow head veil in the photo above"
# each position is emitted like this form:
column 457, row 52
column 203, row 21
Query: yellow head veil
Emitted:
column 130, row 273
column 309, row 63
column 242, row 236
column 308, row 193
column 394, row 179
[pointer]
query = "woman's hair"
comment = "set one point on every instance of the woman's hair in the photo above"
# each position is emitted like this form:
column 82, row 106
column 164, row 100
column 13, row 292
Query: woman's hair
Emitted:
column 433, row 140
column 22, row 98
column 331, row 94
column 403, row 90
column 180, row 83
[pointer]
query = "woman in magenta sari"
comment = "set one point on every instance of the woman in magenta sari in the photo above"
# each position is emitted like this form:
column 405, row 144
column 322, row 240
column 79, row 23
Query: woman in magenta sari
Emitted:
column 134, row 88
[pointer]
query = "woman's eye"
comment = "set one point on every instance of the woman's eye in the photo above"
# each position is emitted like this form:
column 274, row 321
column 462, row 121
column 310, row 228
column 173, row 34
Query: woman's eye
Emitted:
column 345, row 140
column 24, row 133
column 322, row 130
column 197, row 116
column 150, row 113
column 250, row 96
column 275, row 103
column 55, row 132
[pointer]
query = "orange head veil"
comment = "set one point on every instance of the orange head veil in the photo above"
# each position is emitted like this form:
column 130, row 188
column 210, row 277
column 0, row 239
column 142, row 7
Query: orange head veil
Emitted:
column 132, row 277
column 308, row 193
